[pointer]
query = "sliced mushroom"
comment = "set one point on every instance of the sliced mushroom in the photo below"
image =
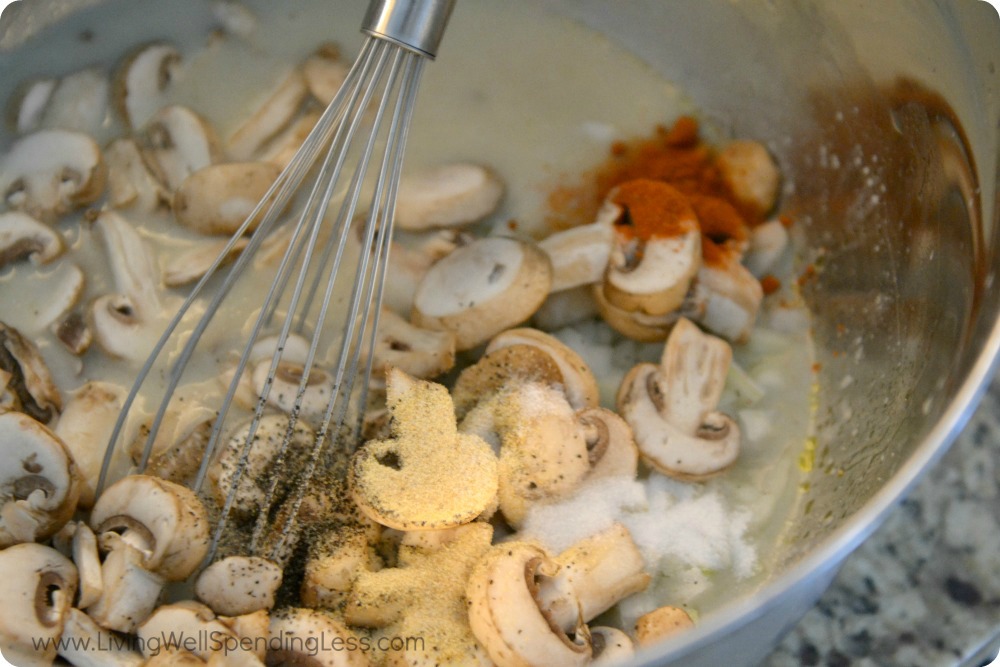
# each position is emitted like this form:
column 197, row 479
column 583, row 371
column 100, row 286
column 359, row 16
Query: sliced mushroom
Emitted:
column 578, row 380
column 250, row 628
column 130, row 591
column 130, row 183
column 611, row 448
column 652, row 274
column 39, row 489
column 182, row 620
column 409, row 261
column 751, row 175
column 27, row 104
column 543, row 452
column 294, row 630
column 235, row 17
column 611, row 646
column 143, row 80
column 768, row 241
column 284, row 389
column 82, row 635
column 483, row 288
column 579, row 255
column 447, row 195
column 238, row 585
column 594, row 575
column 37, row 590
column 267, row 443
column 29, row 382
column 79, row 102
column 397, row 481
column 672, row 408
column 505, row 614
column 422, row 353
column 166, row 521
column 88, row 564
column 21, row 236
column 334, row 563
column 74, row 333
column 636, row 325
column 661, row 623
column 505, row 367
column 63, row 287
column 177, row 142
column 280, row 150
column 725, row 299
column 50, row 172
column 191, row 266
column 275, row 113
column 217, row 199
column 325, row 71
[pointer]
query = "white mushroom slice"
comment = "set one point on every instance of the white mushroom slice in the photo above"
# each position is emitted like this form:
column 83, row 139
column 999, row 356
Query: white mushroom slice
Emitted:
column 579, row 255
column 74, row 333
column 635, row 325
column 749, row 171
column 130, row 591
column 191, row 266
column 275, row 113
column 166, row 521
column 130, row 183
column 285, row 388
column 130, row 258
column 238, row 585
column 661, row 623
column 28, row 103
column 505, row 615
column 594, row 575
column 283, row 147
column 725, row 299
column 311, row 628
column 565, row 308
column 217, row 199
column 28, row 380
column 21, row 236
column 186, row 619
column 657, row 248
column 178, row 142
column 483, row 288
column 295, row 350
column 82, row 635
column 142, row 82
column 39, row 489
column 672, row 408
column 249, row 628
column 37, row 590
column 235, row 17
column 79, row 102
column 118, row 327
column 578, row 380
column 50, row 172
column 611, row 448
column 267, row 443
column 448, row 195
column 502, row 369
column 63, row 288
column 611, row 646
column 422, row 353
column 325, row 71
column 334, row 563
column 543, row 453
column 397, row 481
column 768, row 241
column 88, row 564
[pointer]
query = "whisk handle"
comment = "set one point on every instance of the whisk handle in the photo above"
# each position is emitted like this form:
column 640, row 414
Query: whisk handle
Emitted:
column 413, row 24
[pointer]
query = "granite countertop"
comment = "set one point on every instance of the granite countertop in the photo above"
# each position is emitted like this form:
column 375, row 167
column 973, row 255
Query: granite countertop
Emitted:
column 924, row 590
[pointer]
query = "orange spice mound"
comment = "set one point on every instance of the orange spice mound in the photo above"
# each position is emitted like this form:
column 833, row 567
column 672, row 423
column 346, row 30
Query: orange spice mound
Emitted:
column 653, row 209
column 676, row 156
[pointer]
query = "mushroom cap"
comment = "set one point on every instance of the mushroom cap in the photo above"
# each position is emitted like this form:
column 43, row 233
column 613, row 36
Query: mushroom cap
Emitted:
column 750, row 173
column 483, row 288
column 40, row 488
column 238, row 585
column 37, row 590
column 23, row 236
column 506, row 366
column 50, row 172
column 578, row 380
column 166, row 521
column 504, row 611
column 447, row 195
column 218, row 198
column 29, row 377
column 398, row 481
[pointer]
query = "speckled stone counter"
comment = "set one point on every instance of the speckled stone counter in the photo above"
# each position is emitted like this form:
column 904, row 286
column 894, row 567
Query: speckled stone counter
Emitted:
column 924, row 590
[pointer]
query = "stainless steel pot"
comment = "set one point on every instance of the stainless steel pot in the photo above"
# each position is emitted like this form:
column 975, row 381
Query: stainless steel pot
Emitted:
column 886, row 116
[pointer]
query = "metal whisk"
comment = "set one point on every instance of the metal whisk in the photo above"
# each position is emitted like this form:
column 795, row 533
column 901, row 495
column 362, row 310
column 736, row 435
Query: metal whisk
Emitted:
column 381, row 89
